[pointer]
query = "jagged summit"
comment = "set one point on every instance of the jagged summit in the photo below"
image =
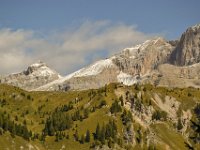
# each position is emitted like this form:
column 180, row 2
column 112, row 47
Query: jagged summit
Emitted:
column 136, row 51
column 38, row 64
column 40, row 69
column 187, row 51
column 196, row 27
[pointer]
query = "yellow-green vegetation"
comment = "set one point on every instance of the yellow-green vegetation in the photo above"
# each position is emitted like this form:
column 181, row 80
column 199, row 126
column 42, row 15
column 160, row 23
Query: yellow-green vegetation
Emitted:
column 70, row 120
column 171, row 138
column 32, row 109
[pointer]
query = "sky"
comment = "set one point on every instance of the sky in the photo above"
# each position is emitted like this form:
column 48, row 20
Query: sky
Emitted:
column 70, row 34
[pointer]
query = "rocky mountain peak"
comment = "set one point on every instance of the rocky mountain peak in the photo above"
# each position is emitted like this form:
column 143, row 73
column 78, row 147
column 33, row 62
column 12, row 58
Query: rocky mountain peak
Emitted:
column 144, row 57
column 34, row 76
column 187, row 52
column 40, row 69
column 38, row 64
column 34, row 67
column 195, row 27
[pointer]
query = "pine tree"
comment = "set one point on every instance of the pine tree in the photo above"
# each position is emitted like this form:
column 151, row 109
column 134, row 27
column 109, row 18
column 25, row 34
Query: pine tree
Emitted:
column 108, row 131
column 82, row 140
column 102, row 135
column 179, row 124
column 5, row 124
column 110, row 145
column 51, row 129
column 13, row 130
column 121, row 100
column 87, row 137
column 86, row 113
column 76, row 135
column 97, row 133
column 1, row 121
column 115, row 107
column 25, row 133
column 57, row 137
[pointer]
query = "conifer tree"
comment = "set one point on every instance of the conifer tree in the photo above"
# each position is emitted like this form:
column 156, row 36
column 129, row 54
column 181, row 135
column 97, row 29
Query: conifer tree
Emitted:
column 179, row 124
column 97, row 133
column 87, row 137
column 82, row 140
column 102, row 135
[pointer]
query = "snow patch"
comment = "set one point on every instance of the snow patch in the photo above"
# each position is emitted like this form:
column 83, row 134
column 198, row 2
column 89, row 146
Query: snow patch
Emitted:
column 36, row 65
column 133, row 49
column 126, row 79
column 43, row 71
column 91, row 70
column 195, row 27
column 95, row 68
column 156, row 40
column 59, row 81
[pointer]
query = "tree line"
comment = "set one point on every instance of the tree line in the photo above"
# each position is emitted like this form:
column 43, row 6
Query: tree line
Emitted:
column 6, row 124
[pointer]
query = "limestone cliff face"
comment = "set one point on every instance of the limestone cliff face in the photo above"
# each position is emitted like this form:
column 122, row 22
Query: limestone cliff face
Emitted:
column 148, row 62
column 143, row 58
column 130, row 66
column 33, row 77
column 176, row 76
column 187, row 51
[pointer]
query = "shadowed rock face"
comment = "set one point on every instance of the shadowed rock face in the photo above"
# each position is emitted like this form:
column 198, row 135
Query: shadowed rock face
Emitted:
column 187, row 51
column 33, row 77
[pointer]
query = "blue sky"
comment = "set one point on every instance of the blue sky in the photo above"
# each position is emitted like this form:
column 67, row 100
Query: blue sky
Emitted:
column 58, row 29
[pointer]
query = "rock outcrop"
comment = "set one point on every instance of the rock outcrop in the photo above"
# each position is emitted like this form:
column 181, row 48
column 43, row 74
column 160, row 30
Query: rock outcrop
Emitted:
column 143, row 58
column 187, row 51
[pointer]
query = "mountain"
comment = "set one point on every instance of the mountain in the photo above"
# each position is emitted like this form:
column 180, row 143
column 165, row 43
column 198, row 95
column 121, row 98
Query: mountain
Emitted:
column 33, row 77
column 129, row 66
column 156, row 61
column 107, row 115
column 187, row 51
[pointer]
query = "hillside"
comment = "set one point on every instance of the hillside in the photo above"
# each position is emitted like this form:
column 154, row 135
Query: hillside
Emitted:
column 112, row 117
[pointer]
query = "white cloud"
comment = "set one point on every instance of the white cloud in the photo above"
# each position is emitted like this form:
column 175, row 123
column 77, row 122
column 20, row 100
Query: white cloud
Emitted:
column 66, row 50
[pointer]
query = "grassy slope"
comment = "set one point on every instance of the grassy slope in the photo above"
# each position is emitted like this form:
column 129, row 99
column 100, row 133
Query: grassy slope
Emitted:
column 17, row 143
column 19, row 104
column 48, row 101
column 169, row 136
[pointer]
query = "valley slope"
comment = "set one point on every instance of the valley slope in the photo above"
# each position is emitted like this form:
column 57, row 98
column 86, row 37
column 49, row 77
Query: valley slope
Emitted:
column 144, row 117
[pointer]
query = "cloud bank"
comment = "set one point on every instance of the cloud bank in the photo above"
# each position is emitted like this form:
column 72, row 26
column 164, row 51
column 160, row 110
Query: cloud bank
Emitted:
column 66, row 50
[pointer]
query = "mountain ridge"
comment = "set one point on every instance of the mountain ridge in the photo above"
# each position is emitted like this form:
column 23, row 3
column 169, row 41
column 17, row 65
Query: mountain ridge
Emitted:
column 137, row 64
